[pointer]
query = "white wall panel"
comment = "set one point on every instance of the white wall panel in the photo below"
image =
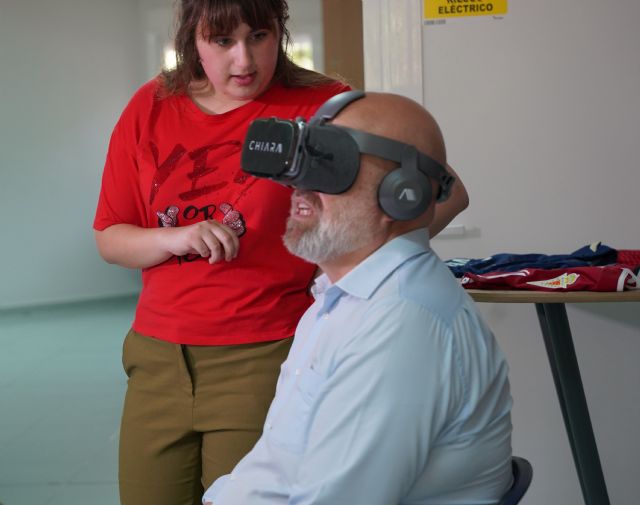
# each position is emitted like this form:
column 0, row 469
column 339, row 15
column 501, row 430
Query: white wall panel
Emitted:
column 68, row 69
column 393, row 47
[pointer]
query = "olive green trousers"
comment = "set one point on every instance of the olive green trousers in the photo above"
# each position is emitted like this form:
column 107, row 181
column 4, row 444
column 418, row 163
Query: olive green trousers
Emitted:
column 190, row 414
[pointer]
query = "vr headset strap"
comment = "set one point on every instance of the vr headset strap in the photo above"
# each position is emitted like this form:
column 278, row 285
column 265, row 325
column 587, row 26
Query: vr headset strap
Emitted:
column 400, row 152
column 334, row 105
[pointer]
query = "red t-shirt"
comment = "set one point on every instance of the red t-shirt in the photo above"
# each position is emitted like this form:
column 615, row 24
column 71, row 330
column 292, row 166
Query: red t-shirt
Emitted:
column 170, row 164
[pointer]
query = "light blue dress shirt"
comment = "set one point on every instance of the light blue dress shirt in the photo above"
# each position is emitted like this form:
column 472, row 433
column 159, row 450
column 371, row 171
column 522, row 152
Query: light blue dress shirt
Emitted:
column 394, row 392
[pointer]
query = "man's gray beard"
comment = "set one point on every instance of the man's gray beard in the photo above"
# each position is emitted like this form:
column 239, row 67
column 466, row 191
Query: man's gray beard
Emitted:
column 327, row 240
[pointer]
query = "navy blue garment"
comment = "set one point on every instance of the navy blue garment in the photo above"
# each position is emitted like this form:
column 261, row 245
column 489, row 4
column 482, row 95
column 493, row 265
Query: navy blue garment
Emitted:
column 592, row 255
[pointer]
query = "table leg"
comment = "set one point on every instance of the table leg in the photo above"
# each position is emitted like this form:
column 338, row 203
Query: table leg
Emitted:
column 566, row 375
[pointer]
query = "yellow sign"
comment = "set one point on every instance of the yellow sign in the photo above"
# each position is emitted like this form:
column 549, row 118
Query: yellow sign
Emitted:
column 438, row 9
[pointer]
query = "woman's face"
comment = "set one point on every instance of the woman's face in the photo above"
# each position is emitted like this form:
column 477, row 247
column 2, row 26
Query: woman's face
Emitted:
column 240, row 64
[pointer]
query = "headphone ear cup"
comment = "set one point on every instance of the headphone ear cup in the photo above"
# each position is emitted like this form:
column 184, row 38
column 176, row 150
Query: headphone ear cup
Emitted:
column 404, row 194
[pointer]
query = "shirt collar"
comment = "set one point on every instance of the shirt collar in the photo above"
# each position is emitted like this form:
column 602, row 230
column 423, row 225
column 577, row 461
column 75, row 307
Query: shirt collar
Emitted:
column 367, row 276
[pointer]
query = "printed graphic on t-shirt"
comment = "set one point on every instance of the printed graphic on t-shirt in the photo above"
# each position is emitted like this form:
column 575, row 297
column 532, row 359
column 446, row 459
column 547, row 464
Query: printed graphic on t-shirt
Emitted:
column 233, row 219
column 170, row 218
column 561, row 282
column 205, row 161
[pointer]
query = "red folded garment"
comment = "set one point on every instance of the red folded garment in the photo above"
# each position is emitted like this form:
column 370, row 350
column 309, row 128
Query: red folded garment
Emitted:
column 605, row 278
column 628, row 257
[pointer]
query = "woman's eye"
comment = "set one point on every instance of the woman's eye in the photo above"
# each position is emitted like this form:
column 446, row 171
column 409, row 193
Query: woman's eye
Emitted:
column 257, row 36
column 222, row 41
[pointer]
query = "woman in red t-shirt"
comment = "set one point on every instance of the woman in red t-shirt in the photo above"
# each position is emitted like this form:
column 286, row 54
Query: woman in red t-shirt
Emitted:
column 221, row 296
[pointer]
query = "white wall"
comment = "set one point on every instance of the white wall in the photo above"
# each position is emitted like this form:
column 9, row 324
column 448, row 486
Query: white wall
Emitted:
column 541, row 115
column 306, row 20
column 68, row 68
column 157, row 27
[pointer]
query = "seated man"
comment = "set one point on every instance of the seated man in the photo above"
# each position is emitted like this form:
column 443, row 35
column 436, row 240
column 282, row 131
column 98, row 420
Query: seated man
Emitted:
column 395, row 391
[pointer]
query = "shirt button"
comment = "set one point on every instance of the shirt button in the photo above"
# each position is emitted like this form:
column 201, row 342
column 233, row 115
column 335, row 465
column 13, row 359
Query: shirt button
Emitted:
column 326, row 316
column 297, row 371
column 268, row 426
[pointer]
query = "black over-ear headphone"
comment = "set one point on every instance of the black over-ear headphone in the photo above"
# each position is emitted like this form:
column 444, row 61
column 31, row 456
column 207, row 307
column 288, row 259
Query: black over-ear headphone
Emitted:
column 323, row 157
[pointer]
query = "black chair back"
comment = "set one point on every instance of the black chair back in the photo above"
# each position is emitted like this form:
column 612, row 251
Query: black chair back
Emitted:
column 522, row 475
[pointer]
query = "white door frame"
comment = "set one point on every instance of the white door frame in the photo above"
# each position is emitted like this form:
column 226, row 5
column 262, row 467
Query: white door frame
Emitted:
column 392, row 32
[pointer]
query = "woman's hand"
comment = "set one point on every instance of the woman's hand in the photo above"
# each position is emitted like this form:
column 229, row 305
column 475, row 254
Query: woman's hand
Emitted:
column 209, row 239
column 135, row 247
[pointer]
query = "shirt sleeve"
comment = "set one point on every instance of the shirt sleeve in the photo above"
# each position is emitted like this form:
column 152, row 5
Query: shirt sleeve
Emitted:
column 121, row 199
column 387, row 399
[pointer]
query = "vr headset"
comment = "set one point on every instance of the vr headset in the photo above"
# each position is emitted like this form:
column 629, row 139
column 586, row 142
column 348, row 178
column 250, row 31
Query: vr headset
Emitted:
column 319, row 156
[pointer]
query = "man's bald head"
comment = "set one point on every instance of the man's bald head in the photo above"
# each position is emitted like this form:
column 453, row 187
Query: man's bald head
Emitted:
column 401, row 119
column 398, row 118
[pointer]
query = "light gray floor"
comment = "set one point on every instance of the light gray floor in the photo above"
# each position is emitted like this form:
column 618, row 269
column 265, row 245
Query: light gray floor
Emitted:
column 61, row 391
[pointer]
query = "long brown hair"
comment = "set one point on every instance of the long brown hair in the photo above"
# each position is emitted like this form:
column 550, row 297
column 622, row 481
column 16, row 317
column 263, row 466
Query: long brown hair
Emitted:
column 220, row 17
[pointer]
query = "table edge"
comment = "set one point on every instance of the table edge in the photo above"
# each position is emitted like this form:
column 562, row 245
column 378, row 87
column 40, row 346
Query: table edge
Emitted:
column 524, row 296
